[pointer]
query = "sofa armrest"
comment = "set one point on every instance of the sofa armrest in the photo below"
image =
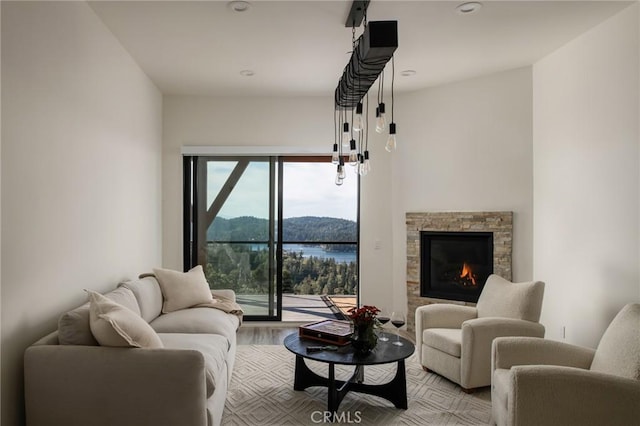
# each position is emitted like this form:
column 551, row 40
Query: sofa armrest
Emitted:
column 477, row 337
column 101, row 386
column 224, row 293
column 510, row 351
column 543, row 395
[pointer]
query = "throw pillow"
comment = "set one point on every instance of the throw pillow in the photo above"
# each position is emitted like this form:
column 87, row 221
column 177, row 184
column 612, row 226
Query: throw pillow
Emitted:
column 115, row 325
column 183, row 290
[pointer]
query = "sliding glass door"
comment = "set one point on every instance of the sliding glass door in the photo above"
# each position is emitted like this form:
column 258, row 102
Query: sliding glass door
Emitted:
column 319, row 239
column 308, row 265
column 232, row 231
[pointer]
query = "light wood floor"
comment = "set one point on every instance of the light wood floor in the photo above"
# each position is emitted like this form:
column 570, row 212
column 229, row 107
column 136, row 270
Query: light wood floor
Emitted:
column 250, row 334
column 261, row 335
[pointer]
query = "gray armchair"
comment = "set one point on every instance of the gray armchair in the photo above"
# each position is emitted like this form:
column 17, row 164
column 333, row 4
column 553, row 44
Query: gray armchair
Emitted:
column 455, row 341
column 541, row 382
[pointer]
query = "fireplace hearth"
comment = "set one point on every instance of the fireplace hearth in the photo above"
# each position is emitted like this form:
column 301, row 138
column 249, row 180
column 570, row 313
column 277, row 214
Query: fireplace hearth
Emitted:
column 455, row 265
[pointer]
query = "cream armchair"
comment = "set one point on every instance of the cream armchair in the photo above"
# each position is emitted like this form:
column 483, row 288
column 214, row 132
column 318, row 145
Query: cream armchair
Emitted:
column 541, row 382
column 455, row 341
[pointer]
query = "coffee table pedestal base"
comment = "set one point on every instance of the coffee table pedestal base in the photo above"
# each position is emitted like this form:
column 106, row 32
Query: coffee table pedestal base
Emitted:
column 394, row 391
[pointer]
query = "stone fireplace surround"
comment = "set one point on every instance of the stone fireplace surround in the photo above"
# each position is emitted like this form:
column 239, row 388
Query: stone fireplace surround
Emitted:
column 500, row 223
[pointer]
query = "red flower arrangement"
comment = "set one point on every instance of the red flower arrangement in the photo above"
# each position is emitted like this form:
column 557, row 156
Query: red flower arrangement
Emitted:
column 364, row 315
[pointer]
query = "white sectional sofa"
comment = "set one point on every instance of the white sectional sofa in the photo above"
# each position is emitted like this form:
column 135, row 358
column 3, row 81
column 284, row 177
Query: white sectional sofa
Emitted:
column 71, row 380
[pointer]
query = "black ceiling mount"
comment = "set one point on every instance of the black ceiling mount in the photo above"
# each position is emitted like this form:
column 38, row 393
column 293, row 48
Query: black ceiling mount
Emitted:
column 357, row 12
column 373, row 50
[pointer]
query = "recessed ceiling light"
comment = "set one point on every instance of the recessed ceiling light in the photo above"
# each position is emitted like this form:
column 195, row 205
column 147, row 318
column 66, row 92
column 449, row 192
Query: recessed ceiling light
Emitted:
column 468, row 8
column 408, row 73
column 239, row 5
column 247, row 73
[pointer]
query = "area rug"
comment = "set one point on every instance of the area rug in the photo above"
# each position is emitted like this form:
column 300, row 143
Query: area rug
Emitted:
column 261, row 393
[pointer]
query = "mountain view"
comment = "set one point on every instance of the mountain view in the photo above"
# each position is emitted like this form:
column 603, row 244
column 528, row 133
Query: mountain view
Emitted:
column 295, row 229
column 238, row 255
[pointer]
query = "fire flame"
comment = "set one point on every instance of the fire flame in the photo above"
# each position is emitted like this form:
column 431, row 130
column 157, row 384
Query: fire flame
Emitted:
column 468, row 273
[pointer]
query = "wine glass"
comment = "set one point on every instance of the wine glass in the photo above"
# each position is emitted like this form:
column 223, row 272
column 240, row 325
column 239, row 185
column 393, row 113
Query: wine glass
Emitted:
column 383, row 317
column 398, row 319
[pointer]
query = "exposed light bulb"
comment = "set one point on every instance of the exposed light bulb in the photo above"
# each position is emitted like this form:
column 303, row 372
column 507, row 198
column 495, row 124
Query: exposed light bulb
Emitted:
column 339, row 175
column 335, row 158
column 346, row 136
column 361, row 170
column 353, row 160
column 365, row 166
column 381, row 120
column 353, row 154
column 341, row 171
column 391, row 142
column 357, row 119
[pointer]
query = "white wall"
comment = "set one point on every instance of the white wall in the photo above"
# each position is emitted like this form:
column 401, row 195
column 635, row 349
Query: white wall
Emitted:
column 296, row 122
column 81, row 177
column 426, row 173
column 465, row 146
column 586, row 178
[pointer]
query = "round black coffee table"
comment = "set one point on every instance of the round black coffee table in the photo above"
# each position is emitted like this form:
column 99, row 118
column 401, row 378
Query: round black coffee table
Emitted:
column 394, row 391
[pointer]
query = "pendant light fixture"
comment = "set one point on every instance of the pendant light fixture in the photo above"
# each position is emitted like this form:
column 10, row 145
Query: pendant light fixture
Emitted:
column 346, row 134
column 357, row 121
column 370, row 54
column 391, row 141
column 381, row 120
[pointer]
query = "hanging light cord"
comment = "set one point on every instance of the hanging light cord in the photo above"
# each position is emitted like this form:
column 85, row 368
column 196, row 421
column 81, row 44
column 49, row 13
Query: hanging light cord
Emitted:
column 340, row 124
column 393, row 77
column 366, row 120
column 366, row 100
column 381, row 88
column 336, row 132
column 335, row 127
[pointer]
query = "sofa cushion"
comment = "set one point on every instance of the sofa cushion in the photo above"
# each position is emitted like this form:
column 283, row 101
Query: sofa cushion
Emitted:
column 115, row 325
column 213, row 347
column 73, row 326
column 447, row 340
column 183, row 289
column 198, row 320
column 148, row 294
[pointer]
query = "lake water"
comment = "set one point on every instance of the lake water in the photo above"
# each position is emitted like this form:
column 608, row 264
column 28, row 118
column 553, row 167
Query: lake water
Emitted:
column 317, row 251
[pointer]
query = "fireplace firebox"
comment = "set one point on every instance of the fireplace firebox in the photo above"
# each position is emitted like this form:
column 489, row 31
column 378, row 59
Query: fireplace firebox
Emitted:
column 455, row 265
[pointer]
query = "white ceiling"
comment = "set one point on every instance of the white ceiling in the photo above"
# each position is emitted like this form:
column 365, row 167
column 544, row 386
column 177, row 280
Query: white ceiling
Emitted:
column 299, row 48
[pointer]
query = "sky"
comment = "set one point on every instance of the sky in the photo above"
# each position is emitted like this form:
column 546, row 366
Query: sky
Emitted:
column 309, row 190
